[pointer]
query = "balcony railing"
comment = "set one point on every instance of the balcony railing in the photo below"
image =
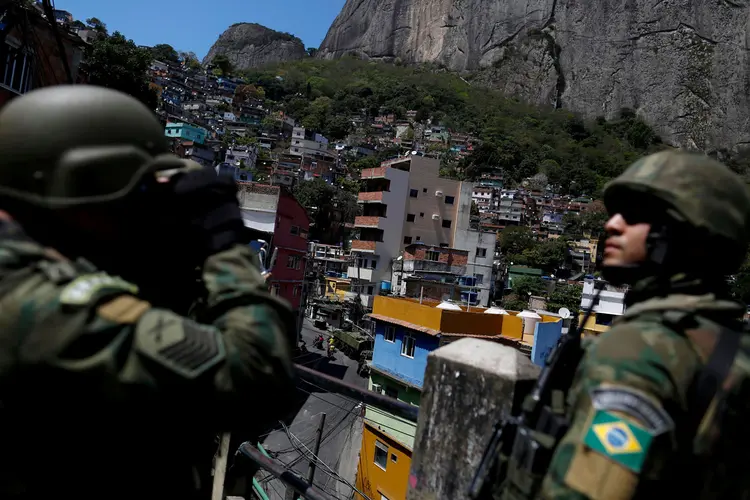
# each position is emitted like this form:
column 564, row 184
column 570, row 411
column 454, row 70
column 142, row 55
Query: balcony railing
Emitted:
column 430, row 266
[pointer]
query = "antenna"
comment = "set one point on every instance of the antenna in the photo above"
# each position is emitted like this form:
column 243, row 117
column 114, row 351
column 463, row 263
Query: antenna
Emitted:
column 564, row 313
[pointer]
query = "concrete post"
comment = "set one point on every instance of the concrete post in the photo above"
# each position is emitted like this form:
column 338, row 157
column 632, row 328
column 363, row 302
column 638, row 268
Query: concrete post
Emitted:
column 468, row 385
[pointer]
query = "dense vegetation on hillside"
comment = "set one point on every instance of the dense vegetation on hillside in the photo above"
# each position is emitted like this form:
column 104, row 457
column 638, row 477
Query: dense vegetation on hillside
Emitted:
column 518, row 138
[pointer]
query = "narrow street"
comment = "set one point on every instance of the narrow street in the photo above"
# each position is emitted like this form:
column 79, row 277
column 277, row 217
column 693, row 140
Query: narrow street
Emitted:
column 341, row 434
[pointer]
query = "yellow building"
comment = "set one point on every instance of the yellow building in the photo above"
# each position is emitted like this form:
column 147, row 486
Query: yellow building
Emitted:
column 384, row 464
column 337, row 288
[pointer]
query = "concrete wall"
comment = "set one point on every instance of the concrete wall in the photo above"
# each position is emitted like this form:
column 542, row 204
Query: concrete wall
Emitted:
column 387, row 355
column 471, row 382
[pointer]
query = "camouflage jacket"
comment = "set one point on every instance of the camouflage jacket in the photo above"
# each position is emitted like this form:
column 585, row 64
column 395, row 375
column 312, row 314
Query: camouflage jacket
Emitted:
column 634, row 433
column 103, row 394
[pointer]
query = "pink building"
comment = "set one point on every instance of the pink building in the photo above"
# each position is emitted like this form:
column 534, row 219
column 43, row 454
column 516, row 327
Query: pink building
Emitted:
column 273, row 211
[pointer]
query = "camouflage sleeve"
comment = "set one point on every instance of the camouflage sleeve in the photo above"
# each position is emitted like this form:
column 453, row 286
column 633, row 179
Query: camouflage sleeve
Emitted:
column 624, row 403
column 95, row 341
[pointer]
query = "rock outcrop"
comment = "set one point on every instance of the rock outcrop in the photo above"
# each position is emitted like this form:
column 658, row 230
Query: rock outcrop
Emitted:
column 250, row 45
column 683, row 65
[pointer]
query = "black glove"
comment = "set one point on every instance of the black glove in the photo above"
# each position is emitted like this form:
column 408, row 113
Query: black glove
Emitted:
column 209, row 202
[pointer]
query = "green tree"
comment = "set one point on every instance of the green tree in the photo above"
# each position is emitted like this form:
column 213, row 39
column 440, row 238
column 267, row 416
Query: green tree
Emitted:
column 190, row 60
column 523, row 288
column 96, row 25
column 565, row 295
column 521, row 140
column 515, row 240
column 363, row 163
column 594, row 217
column 548, row 255
column 165, row 52
column 348, row 185
column 312, row 51
column 223, row 65
column 118, row 63
column 329, row 207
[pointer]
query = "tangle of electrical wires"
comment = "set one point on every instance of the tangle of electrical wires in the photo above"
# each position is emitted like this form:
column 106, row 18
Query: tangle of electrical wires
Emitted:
column 282, row 472
column 324, row 467
column 331, row 384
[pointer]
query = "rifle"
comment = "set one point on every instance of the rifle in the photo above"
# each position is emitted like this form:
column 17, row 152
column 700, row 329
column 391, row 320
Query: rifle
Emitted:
column 522, row 445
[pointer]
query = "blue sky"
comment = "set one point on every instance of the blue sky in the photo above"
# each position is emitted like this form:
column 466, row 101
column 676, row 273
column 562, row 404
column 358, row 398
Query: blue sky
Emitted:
column 193, row 25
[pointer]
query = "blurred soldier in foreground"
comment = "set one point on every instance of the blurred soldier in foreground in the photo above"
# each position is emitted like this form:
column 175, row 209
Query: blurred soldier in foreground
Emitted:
column 660, row 404
column 105, row 387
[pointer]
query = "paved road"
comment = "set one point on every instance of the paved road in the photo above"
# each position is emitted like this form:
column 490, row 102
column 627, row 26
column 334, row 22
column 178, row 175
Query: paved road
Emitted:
column 342, row 421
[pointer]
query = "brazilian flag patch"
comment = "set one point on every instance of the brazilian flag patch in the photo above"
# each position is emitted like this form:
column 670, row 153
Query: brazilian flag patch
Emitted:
column 621, row 441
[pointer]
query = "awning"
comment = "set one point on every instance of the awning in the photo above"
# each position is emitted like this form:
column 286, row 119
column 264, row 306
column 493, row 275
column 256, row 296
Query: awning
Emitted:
column 264, row 222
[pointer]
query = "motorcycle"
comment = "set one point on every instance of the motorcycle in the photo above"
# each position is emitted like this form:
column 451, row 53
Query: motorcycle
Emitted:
column 318, row 342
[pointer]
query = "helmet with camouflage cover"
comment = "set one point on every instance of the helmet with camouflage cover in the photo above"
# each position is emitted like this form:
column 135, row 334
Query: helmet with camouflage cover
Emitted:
column 693, row 191
column 72, row 145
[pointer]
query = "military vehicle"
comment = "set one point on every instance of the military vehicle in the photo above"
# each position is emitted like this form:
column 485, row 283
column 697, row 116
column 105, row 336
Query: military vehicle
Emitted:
column 351, row 343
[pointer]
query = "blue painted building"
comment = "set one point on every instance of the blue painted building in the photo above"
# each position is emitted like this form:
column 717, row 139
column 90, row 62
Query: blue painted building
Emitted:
column 186, row 131
column 401, row 352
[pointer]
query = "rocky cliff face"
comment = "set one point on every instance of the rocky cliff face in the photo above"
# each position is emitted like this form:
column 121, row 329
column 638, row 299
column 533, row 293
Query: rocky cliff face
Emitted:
column 249, row 45
column 683, row 65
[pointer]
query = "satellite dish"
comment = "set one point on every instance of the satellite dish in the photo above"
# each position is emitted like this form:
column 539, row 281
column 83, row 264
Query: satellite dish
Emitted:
column 564, row 313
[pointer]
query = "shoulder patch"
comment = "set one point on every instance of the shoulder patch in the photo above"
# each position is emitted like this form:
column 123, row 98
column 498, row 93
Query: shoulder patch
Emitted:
column 124, row 309
column 635, row 404
column 84, row 289
column 182, row 345
column 619, row 440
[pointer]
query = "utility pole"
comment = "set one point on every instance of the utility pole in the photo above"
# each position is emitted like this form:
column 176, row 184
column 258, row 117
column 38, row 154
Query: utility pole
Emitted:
column 316, row 452
column 309, row 256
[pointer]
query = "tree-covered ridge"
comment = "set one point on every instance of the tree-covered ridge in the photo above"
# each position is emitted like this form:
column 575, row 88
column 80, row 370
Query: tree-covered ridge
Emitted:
column 516, row 137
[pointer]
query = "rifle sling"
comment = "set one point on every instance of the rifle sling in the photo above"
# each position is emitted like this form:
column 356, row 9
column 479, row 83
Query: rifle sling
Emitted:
column 714, row 373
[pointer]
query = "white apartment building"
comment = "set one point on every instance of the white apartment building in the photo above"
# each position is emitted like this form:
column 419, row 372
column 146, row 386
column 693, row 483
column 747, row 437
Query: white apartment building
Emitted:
column 484, row 198
column 309, row 144
column 405, row 201
column 609, row 305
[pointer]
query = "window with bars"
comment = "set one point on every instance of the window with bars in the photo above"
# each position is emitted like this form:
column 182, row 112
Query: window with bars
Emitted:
column 16, row 67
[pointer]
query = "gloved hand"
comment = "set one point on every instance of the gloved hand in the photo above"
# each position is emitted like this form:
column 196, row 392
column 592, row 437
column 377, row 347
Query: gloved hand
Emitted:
column 210, row 204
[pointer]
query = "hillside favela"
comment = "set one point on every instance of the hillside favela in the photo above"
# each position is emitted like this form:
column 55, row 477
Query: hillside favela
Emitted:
column 423, row 189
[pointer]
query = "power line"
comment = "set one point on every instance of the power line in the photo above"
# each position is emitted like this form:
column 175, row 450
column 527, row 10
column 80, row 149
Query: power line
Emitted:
column 327, row 437
column 351, row 412
column 333, row 473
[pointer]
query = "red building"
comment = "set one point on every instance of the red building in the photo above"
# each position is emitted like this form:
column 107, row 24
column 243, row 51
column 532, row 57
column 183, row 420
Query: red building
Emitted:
column 277, row 217
column 29, row 53
column 290, row 238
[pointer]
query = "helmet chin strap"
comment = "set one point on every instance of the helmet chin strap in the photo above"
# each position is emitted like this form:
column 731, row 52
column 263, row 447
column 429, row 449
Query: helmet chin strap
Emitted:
column 655, row 265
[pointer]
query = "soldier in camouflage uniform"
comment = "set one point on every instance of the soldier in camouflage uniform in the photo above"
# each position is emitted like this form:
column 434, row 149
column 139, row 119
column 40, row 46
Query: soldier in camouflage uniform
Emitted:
column 106, row 391
column 656, row 410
